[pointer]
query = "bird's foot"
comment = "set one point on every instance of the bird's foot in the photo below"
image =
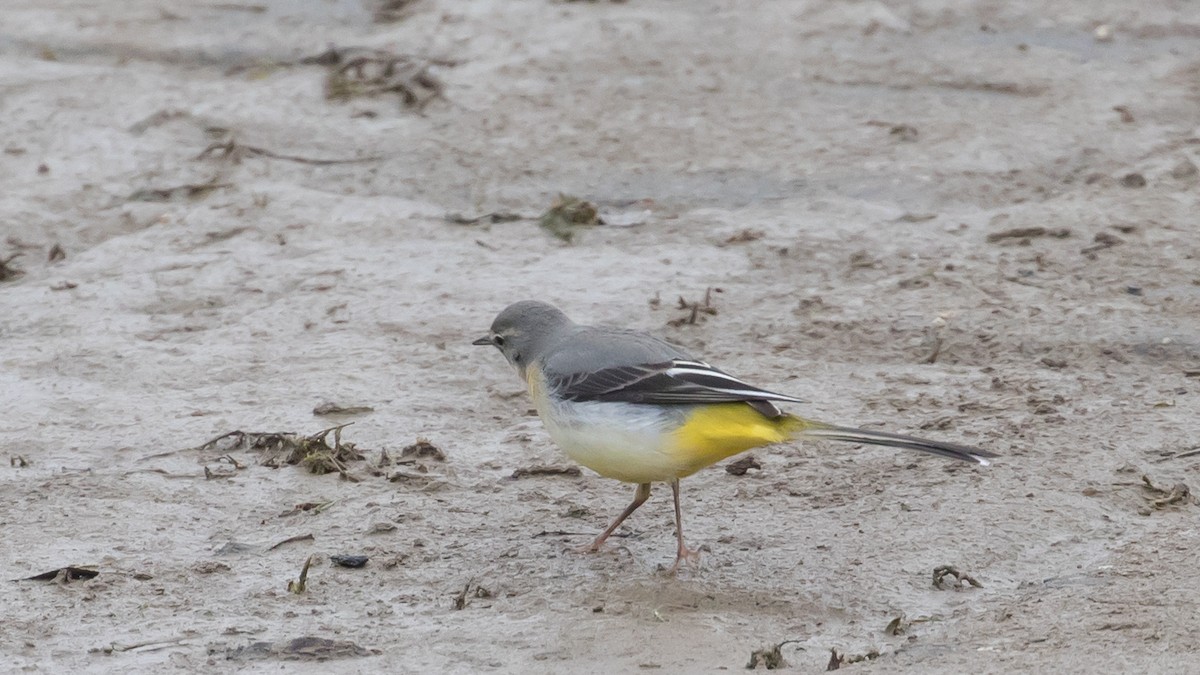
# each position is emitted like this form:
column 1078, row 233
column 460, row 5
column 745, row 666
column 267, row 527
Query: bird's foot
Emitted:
column 684, row 554
column 592, row 547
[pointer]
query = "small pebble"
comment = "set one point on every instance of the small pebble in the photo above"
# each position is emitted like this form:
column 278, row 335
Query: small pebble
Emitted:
column 1184, row 170
column 1133, row 180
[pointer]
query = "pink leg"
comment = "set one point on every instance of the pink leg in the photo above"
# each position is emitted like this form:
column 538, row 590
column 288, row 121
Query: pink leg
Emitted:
column 639, row 498
column 683, row 552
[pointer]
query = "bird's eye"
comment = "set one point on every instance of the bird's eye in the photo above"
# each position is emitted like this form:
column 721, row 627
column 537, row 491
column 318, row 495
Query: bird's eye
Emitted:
column 516, row 358
column 498, row 341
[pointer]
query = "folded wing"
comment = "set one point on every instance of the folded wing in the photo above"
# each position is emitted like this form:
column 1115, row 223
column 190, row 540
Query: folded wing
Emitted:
column 676, row 381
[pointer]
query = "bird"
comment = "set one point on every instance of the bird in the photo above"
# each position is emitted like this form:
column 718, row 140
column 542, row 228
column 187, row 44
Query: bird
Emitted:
column 641, row 410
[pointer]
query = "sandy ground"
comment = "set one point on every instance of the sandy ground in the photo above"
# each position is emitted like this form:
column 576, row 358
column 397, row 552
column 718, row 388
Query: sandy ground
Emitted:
column 844, row 172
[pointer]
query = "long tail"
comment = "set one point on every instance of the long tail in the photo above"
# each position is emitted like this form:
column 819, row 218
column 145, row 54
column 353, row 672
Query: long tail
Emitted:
column 802, row 428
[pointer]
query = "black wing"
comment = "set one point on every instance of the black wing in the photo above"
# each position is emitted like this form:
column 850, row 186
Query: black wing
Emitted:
column 677, row 381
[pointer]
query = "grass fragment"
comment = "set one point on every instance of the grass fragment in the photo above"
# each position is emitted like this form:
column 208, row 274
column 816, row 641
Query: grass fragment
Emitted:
column 299, row 586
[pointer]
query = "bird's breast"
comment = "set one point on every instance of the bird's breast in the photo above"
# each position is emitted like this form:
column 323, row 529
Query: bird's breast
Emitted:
column 625, row 441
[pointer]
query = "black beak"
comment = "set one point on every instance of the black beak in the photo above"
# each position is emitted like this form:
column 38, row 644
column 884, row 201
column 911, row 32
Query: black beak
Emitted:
column 485, row 340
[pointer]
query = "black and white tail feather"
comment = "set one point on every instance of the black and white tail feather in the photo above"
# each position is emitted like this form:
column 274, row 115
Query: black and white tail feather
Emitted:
column 685, row 381
column 852, row 435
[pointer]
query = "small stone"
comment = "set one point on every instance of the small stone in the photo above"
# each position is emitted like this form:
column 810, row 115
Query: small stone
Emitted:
column 423, row 449
column 1133, row 180
column 742, row 466
column 1184, row 170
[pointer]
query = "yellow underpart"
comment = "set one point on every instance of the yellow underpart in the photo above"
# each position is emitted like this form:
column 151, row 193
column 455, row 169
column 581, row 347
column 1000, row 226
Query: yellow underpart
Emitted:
column 533, row 379
column 715, row 432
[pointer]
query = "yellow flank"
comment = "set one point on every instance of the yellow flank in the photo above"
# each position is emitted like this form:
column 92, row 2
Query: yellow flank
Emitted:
column 714, row 432
column 533, row 379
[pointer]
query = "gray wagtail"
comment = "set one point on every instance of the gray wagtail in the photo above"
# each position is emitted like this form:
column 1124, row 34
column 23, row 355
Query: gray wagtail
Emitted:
column 632, row 407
